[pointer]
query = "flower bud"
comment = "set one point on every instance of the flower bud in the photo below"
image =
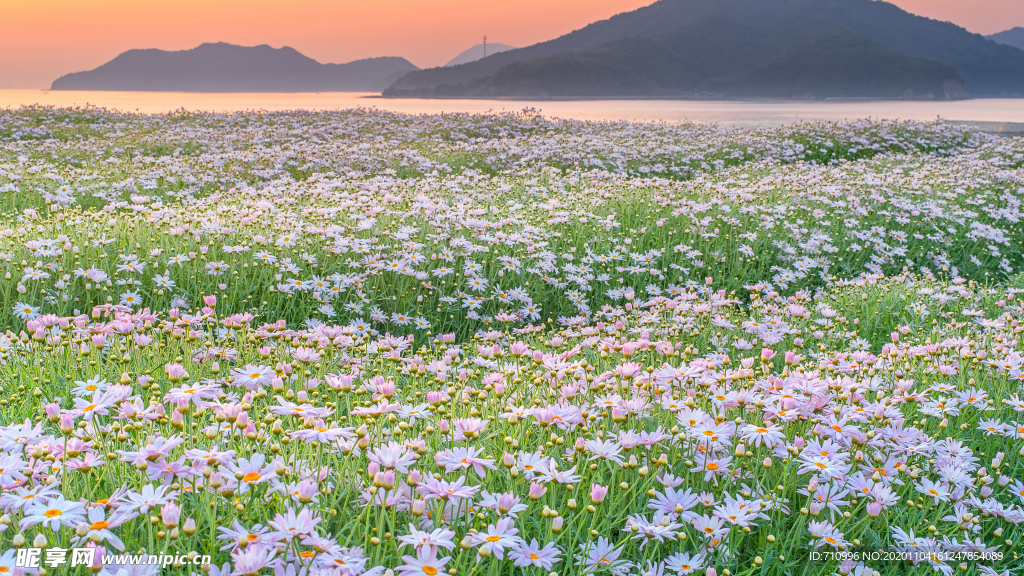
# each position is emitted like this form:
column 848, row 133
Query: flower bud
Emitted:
column 67, row 423
column 170, row 514
column 874, row 509
column 537, row 491
column 556, row 524
column 816, row 508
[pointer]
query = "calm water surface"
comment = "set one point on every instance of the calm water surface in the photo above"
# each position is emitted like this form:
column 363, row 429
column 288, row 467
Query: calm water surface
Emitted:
column 745, row 113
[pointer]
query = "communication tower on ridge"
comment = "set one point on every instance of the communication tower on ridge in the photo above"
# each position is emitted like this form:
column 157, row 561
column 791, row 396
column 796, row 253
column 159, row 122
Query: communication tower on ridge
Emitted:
column 485, row 46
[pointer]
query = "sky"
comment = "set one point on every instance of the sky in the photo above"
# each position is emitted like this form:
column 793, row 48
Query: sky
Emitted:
column 42, row 39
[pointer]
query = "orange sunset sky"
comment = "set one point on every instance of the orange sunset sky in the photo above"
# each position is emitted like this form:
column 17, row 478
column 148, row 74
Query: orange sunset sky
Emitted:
column 43, row 39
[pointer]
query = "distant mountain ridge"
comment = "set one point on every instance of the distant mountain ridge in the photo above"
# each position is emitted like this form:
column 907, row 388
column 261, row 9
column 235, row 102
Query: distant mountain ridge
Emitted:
column 1012, row 37
column 477, row 52
column 712, row 57
column 984, row 68
column 222, row 67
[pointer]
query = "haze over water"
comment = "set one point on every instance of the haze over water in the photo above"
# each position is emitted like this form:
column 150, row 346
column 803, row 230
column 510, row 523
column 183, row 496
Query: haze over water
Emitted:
column 760, row 113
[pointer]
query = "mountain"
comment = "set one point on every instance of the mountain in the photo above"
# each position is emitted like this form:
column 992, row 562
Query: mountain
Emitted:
column 1012, row 37
column 722, row 58
column 225, row 67
column 477, row 52
column 986, row 68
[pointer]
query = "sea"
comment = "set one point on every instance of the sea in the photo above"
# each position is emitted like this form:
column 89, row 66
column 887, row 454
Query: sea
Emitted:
column 749, row 113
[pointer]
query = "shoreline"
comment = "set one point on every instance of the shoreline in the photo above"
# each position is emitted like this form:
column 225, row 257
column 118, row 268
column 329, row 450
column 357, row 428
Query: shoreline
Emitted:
column 997, row 128
column 667, row 98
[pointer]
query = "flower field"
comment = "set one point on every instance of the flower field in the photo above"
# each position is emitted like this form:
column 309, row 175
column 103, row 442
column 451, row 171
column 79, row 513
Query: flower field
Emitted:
column 363, row 343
